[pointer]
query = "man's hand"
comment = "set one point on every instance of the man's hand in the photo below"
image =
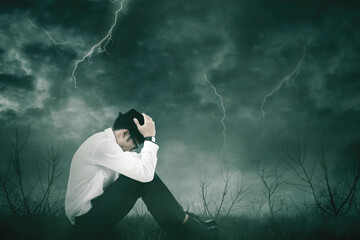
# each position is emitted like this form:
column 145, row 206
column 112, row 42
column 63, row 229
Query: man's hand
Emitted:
column 148, row 129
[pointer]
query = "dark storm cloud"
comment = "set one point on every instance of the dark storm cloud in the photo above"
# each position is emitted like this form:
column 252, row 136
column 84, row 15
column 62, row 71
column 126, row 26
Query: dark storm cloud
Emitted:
column 68, row 14
column 39, row 53
column 8, row 115
column 267, row 44
column 9, row 5
column 7, row 81
column 155, row 61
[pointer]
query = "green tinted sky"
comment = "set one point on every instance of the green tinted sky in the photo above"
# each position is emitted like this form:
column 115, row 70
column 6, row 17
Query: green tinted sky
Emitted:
column 155, row 63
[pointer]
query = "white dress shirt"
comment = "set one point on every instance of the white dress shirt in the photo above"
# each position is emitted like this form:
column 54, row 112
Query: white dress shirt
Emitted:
column 98, row 163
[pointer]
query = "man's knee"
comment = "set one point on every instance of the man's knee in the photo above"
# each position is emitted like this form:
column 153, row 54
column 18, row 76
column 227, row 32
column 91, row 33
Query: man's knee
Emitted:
column 156, row 179
column 125, row 183
column 154, row 184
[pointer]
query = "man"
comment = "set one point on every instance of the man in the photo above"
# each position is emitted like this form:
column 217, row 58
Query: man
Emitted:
column 107, row 177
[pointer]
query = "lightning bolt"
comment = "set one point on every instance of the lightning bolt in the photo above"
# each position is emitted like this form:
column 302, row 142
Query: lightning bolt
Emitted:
column 289, row 80
column 100, row 46
column 223, row 111
column 56, row 43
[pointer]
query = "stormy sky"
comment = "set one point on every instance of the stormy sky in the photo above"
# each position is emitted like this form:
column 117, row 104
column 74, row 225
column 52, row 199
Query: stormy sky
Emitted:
column 155, row 62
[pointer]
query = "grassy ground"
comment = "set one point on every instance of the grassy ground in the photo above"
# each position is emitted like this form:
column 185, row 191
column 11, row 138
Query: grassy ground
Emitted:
column 240, row 227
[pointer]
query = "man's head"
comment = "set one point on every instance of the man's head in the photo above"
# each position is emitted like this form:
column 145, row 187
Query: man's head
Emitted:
column 126, row 132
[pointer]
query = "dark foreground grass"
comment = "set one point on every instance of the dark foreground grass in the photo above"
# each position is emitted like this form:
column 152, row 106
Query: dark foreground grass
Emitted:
column 236, row 227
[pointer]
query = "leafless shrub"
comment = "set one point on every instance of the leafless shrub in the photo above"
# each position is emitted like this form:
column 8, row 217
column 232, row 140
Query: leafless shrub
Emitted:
column 23, row 199
column 256, row 204
column 188, row 204
column 230, row 198
column 272, row 179
column 331, row 196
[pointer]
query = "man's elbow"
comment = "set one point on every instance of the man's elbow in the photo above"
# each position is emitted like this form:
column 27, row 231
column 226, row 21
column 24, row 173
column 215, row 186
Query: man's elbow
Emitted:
column 147, row 177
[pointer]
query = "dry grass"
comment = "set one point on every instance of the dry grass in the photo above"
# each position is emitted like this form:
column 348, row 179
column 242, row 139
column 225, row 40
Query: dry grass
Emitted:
column 233, row 227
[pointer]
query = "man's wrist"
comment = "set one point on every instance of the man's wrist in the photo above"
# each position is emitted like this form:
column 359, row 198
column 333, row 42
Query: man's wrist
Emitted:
column 151, row 139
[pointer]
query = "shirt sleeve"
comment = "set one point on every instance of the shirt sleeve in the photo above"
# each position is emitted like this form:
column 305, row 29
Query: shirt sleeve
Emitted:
column 140, row 167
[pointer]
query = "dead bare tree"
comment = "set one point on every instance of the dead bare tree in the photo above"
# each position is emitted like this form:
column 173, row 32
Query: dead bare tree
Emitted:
column 303, row 209
column 230, row 198
column 355, row 150
column 356, row 202
column 272, row 179
column 187, row 203
column 14, row 200
column 332, row 197
column 256, row 204
column 44, row 204
column 23, row 199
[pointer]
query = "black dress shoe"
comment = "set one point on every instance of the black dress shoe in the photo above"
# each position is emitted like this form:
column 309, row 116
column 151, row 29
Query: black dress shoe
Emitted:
column 197, row 228
column 209, row 223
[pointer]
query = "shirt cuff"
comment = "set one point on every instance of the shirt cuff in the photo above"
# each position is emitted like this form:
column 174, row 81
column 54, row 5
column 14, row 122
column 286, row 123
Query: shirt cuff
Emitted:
column 151, row 146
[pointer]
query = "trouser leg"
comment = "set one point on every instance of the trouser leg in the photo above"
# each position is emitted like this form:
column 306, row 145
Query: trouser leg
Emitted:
column 119, row 198
column 113, row 205
column 162, row 205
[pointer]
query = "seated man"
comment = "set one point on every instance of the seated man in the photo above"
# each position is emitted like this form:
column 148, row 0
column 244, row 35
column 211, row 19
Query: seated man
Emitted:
column 107, row 177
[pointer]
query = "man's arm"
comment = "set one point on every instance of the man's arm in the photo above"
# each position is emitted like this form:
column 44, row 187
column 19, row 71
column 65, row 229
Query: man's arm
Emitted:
column 140, row 167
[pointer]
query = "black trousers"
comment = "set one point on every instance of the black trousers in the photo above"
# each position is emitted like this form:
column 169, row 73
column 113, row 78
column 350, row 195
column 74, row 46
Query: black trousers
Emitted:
column 119, row 198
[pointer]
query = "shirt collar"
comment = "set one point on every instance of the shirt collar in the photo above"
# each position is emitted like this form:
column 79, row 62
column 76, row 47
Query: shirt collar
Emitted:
column 110, row 134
